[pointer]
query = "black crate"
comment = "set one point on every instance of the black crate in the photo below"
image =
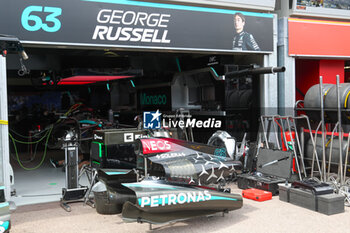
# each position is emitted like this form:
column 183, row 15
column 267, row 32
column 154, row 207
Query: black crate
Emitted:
column 303, row 198
column 331, row 204
column 266, row 183
column 283, row 192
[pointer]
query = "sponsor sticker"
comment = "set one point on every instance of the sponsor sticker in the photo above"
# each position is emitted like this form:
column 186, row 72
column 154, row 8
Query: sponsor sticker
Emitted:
column 128, row 137
column 97, row 137
column 152, row 146
column 174, row 199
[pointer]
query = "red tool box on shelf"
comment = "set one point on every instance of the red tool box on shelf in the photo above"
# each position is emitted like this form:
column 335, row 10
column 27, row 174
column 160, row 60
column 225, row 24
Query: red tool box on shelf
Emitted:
column 257, row 194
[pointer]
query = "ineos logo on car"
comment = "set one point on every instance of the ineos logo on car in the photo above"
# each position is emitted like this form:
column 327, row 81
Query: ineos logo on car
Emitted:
column 155, row 146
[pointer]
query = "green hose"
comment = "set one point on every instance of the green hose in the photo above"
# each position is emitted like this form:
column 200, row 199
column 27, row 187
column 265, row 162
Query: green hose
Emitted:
column 28, row 137
column 47, row 136
column 28, row 143
column 43, row 158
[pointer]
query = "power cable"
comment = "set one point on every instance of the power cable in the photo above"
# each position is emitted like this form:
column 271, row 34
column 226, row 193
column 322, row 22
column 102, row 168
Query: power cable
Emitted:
column 47, row 136
column 43, row 158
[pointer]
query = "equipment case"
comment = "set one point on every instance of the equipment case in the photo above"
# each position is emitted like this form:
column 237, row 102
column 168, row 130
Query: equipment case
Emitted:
column 303, row 198
column 317, row 199
column 313, row 195
column 331, row 204
column 255, row 180
column 273, row 168
column 257, row 194
column 283, row 192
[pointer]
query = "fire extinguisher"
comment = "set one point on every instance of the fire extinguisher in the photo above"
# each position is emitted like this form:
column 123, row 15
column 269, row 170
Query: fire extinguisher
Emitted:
column 290, row 137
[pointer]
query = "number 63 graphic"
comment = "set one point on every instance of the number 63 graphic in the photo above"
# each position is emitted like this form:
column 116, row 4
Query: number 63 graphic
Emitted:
column 29, row 16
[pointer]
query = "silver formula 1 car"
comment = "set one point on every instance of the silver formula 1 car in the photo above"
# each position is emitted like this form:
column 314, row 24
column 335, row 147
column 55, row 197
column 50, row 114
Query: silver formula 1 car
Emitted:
column 181, row 180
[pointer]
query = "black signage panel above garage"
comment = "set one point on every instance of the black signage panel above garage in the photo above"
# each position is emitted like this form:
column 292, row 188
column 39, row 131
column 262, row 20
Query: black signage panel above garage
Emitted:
column 136, row 25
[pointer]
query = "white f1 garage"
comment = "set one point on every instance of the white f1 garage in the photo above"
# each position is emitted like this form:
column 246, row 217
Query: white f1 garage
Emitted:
column 122, row 57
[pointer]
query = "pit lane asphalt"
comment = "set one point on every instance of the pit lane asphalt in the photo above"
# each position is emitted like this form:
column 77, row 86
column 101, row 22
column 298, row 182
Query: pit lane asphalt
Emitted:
column 254, row 217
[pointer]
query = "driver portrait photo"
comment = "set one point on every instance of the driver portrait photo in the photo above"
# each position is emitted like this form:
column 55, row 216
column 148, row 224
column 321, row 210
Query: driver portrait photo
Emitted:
column 242, row 40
